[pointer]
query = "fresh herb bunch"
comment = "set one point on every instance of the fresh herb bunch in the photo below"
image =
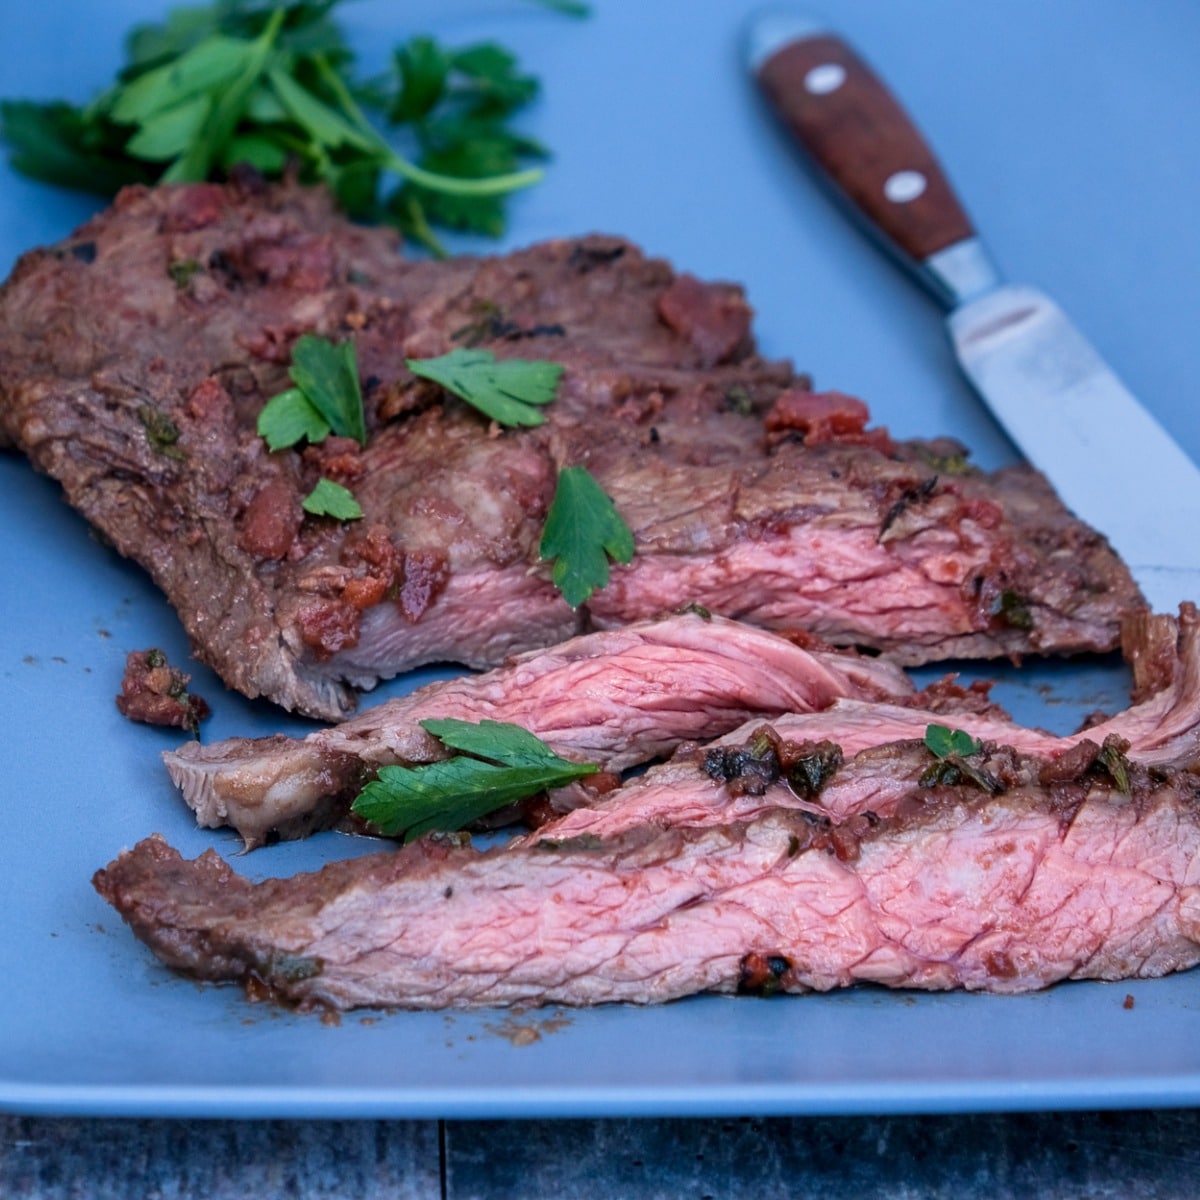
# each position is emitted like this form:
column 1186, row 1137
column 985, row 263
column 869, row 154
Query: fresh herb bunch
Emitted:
column 274, row 85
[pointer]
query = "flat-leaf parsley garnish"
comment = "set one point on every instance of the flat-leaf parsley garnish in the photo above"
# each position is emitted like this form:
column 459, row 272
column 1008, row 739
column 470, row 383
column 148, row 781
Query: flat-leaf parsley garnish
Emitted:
column 943, row 742
column 329, row 499
column 497, row 764
column 511, row 391
column 952, row 748
column 583, row 531
column 326, row 399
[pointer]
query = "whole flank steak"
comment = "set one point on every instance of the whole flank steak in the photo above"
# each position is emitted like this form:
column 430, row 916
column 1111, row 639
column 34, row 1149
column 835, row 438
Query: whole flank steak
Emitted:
column 136, row 357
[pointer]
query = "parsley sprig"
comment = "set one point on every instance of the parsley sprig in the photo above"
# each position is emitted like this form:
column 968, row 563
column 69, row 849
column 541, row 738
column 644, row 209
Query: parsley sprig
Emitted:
column 944, row 742
column 327, row 397
column 497, row 764
column 583, row 532
column 512, row 391
column 272, row 85
column 458, row 104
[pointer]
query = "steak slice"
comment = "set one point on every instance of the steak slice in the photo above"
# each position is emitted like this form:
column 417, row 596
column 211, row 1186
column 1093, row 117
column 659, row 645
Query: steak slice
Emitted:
column 749, row 768
column 616, row 698
column 624, row 697
column 1069, row 879
column 136, row 356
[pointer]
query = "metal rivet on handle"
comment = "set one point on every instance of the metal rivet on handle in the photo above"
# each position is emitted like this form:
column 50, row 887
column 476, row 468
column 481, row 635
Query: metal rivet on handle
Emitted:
column 904, row 186
column 826, row 78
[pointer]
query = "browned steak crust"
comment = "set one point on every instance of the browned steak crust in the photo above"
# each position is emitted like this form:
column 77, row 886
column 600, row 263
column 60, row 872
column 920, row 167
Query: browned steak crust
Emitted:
column 135, row 357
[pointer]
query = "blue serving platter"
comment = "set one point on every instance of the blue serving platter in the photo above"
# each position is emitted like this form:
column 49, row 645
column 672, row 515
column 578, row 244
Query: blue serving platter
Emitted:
column 1069, row 130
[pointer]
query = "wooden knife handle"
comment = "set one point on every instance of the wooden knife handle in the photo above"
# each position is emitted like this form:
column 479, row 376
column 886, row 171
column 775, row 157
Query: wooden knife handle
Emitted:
column 857, row 134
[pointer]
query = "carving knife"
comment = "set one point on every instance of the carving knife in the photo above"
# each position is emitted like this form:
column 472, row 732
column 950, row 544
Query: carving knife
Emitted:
column 1111, row 462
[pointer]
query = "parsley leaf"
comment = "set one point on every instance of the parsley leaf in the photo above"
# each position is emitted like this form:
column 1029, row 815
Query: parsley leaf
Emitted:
column 459, row 104
column 500, row 764
column 570, row 8
column 511, row 391
column 582, row 532
column 56, row 143
column 943, row 742
column 327, row 374
column 212, row 63
column 289, row 418
column 422, row 66
column 498, row 741
column 326, row 399
column 329, row 499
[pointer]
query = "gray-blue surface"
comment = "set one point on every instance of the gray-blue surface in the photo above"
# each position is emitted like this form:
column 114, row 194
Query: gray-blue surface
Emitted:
column 1069, row 129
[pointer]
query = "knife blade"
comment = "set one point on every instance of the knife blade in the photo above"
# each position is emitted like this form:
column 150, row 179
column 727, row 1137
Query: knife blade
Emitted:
column 1110, row 460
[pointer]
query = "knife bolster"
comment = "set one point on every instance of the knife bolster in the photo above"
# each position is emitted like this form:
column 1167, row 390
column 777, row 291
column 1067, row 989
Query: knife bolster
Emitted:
column 960, row 272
